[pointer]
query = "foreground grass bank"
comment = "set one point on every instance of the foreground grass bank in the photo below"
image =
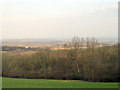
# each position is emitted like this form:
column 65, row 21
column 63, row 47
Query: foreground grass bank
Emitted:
column 45, row 83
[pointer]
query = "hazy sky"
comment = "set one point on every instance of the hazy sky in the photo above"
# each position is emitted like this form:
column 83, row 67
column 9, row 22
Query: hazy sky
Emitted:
column 58, row 18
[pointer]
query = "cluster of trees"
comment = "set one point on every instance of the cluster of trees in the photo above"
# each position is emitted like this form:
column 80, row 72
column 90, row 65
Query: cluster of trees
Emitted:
column 93, row 63
column 15, row 48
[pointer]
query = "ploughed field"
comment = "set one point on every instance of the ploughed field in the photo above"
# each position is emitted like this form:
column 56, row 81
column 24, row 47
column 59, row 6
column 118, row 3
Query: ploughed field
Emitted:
column 47, row 83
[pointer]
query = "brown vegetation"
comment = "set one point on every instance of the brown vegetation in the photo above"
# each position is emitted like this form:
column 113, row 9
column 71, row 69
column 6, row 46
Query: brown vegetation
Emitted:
column 90, row 64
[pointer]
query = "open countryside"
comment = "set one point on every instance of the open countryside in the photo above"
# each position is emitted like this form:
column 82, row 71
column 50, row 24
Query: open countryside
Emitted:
column 68, row 67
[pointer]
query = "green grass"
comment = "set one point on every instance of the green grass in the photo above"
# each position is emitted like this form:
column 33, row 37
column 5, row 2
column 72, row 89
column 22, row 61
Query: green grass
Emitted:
column 45, row 83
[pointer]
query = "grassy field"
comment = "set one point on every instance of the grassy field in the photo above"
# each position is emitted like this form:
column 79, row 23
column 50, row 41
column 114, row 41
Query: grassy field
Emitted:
column 45, row 83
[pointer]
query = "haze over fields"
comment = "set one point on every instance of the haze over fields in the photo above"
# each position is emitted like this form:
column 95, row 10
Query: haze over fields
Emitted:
column 74, row 42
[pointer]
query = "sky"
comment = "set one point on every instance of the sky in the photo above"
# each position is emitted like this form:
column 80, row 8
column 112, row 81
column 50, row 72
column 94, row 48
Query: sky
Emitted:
column 21, row 19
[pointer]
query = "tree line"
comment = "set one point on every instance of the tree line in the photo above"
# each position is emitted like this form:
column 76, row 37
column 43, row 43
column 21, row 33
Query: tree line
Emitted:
column 94, row 63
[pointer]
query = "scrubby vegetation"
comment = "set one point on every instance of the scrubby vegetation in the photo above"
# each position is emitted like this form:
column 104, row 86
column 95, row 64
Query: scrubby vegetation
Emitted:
column 93, row 63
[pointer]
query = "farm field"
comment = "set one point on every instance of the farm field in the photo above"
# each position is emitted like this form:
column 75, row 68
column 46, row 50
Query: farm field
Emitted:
column 45, row 83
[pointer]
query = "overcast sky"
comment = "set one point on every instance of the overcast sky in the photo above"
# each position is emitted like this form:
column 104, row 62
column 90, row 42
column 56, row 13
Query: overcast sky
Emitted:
column 58, row 18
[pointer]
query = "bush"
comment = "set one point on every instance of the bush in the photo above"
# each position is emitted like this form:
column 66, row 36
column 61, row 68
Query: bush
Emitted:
column 91, row 64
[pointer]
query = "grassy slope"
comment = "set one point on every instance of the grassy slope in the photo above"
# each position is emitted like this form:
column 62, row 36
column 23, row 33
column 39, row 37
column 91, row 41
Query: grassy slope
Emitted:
column 44, row 83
